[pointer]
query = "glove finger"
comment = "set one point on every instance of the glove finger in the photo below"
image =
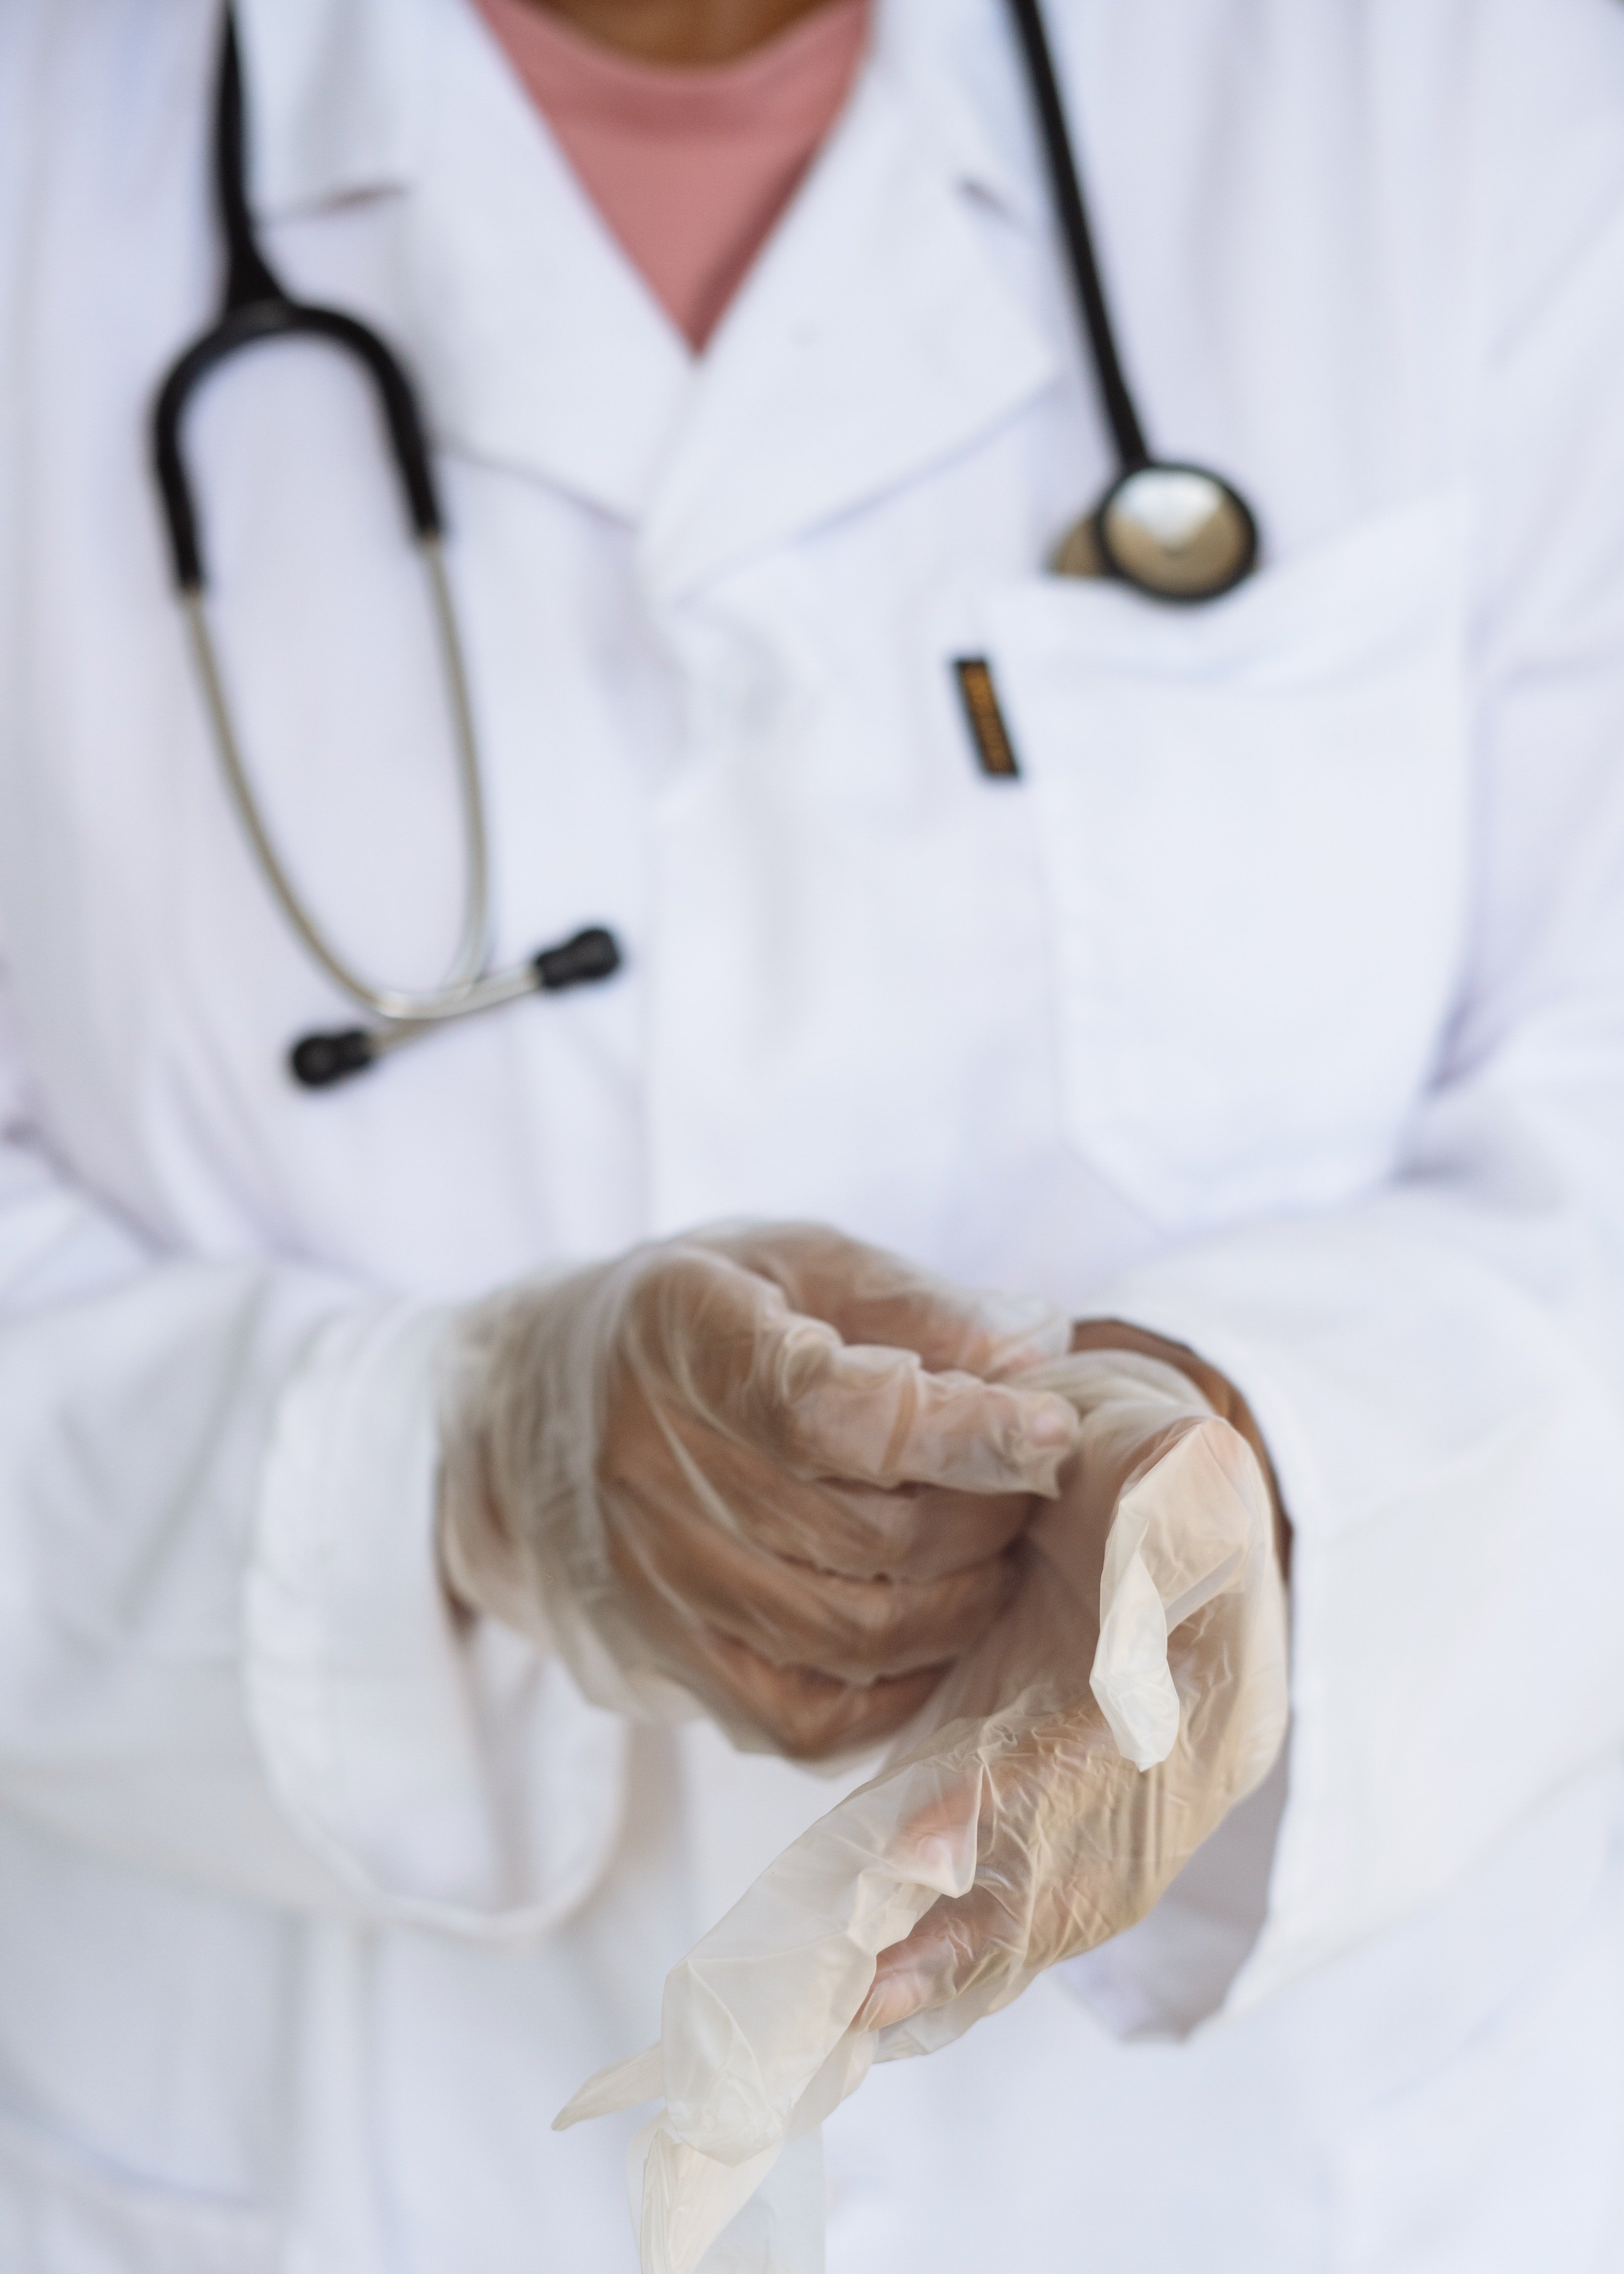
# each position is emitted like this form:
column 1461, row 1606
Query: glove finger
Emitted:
column 1207, row 1508
column 960, row 1942
column 959, row 1934
column 868, row 1295
column 806, row 1715
column 914, row 1531
column 1068, row 1839
column 679, row 1571
column 1194, row 1524
column 927, row 1531
column 876, row 1416
column 704, row 1337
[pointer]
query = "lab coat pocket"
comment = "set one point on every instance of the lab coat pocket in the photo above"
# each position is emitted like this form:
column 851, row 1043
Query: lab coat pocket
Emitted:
column 61, row 2211
column 1252, row 826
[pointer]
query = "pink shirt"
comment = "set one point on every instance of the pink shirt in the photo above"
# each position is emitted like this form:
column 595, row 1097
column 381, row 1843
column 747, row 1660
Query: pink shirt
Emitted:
column 689, row 167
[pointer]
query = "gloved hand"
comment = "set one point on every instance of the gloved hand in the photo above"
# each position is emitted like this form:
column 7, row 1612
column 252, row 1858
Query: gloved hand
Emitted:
column 772, row 1471
column 1133, row 1692
column 1089, row 1800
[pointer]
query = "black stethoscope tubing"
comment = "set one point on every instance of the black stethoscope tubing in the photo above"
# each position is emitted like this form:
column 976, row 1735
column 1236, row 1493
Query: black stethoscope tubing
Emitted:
column 1066, row 188
column 256, row 308
column 1172, row 532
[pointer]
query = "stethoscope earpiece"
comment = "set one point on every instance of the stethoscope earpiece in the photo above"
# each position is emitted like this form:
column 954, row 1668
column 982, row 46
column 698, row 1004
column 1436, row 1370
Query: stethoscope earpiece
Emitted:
column 321, row 1061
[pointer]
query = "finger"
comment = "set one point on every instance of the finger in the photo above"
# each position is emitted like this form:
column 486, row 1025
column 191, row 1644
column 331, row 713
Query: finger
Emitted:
column 1179, row 1539
column 1069, row 1838
column 926, row 1532
column 868, row 1295
column 876, row 1417
column 1057, row 1890
column 933, row 1964
column 705, row 1337
column 1208, row 1511
column 957, row 1943
column 914, row 1531
column 807, row 1715
column 679, row 1571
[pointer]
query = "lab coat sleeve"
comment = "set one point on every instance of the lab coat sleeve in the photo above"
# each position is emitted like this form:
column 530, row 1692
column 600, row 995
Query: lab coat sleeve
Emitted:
column 224, row 1651
column 1438, row 1368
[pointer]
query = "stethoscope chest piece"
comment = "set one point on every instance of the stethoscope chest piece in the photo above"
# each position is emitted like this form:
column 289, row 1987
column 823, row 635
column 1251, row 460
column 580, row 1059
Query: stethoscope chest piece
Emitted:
column 1172, row 532
column 1175, row 532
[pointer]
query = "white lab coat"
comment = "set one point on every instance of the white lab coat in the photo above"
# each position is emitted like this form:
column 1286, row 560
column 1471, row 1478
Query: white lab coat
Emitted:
column 1277, row 1006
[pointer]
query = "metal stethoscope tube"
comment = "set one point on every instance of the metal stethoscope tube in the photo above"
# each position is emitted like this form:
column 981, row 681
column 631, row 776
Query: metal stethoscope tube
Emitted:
column 462, row 983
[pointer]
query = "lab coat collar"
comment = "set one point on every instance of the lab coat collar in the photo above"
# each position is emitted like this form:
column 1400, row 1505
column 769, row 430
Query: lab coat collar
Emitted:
column 954, row 63
column 542, row 349
column 853, row 358
column 339, row 94
column 856, row 357
column 336, row 99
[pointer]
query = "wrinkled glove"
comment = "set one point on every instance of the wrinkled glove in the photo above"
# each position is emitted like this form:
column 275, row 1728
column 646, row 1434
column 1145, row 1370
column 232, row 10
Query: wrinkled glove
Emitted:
column 1132, row 1694
column 770, row 1470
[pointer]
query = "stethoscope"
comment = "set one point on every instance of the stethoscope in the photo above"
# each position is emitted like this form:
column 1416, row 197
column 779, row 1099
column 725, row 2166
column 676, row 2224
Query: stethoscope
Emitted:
column 1175, row 532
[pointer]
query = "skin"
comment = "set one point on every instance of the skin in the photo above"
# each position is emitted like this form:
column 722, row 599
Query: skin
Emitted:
column 691, row 33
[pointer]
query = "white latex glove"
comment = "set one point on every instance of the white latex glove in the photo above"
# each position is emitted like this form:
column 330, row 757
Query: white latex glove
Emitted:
column 1133, row 1693
column 770, row 1470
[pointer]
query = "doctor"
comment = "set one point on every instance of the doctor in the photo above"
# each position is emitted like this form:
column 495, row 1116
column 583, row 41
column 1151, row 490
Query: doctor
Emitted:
column 1274, row 1003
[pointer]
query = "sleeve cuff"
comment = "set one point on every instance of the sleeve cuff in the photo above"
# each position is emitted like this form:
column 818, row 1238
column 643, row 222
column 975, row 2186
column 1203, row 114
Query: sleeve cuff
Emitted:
column 448, row 1774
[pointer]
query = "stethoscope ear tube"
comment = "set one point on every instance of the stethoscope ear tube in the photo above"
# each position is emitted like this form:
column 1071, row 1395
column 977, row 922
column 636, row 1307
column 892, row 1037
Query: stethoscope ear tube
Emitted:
column 255, row 308
column 1174, row 532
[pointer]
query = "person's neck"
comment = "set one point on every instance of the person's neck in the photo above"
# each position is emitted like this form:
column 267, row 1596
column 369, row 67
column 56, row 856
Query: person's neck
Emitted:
column 680, row 32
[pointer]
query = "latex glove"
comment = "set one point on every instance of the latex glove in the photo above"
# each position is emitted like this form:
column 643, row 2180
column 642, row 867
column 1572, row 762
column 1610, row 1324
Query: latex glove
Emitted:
column 770, row 1471
column 1089, row 1801
column 1133, row 1693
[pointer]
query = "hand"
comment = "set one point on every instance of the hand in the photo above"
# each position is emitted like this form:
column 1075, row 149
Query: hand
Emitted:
column 1133, row 1693
column 773, row 1470
column 1087, row 1800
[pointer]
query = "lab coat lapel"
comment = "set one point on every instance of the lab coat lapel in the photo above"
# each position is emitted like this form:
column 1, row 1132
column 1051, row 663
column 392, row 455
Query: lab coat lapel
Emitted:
column 334, row 98
column 856, row 357
column 543, row 350
column 537, row 345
